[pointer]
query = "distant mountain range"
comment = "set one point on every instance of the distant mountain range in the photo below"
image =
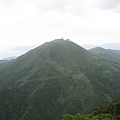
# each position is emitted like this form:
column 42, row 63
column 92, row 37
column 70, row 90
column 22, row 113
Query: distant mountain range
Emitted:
column 56, row 78
column 10, row 58
column 114, row 46
column 18, row 51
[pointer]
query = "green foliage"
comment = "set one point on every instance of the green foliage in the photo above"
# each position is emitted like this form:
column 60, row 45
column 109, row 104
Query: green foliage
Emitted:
column 88, row 117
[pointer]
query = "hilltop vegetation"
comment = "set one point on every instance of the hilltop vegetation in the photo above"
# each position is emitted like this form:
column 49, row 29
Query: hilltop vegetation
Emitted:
column 88, row 117
column 56, row 78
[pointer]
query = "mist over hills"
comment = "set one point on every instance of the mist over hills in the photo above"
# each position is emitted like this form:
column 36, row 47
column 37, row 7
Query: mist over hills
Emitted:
column 55, row 78
column 15, row 52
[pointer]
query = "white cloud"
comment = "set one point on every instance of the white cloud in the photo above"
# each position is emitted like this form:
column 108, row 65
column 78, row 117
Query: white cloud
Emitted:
column 7, row 3
column 52, row 5
column 77, row 7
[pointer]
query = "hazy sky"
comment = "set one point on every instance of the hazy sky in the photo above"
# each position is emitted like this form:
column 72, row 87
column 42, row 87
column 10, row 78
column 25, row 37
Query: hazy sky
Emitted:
column 33, row 22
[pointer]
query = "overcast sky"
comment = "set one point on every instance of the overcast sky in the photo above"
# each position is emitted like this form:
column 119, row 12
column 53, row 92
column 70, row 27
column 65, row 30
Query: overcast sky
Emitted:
column 33, row 22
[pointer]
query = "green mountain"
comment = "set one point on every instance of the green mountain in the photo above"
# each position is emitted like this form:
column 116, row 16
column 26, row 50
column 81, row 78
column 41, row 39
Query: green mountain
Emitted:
column 107, row 53
column 56, row 78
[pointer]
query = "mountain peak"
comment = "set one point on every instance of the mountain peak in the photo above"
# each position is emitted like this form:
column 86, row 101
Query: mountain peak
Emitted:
column 61, row 40
column 97, row 48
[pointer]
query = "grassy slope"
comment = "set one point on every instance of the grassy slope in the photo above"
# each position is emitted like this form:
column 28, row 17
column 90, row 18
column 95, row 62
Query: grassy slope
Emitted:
column 56, row 78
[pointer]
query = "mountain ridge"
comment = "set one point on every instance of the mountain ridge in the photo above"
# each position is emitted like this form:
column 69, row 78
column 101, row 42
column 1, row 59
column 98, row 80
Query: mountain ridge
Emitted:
column 107, row 53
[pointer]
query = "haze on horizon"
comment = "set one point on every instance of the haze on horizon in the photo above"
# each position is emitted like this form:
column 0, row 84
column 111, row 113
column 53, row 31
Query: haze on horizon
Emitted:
column 32, row 22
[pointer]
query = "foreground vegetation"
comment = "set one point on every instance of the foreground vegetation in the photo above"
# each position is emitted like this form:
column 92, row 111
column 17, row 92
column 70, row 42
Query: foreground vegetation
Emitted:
column 88, row 117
